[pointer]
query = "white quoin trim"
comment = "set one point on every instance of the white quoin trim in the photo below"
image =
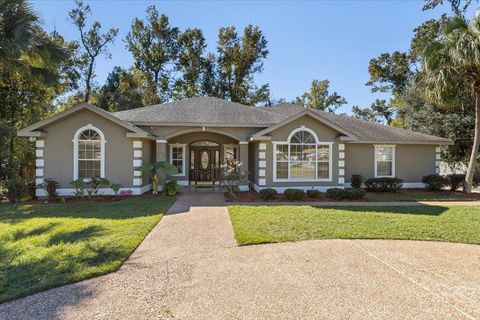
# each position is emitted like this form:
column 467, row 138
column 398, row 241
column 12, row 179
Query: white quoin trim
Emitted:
column 137, row 144
column 75, row 149
column 262, row 146
column 39, row 143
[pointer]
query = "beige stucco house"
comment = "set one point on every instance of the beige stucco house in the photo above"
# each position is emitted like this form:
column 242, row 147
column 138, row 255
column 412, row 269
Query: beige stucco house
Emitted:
column 283, row 146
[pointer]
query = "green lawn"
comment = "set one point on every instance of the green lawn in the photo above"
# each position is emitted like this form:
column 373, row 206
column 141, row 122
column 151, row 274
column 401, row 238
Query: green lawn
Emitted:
column 44, row 246
column 262, row 224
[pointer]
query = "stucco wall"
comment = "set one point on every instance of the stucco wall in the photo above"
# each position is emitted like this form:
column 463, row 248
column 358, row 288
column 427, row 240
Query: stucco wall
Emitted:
column 412, row 162
column 58, row 150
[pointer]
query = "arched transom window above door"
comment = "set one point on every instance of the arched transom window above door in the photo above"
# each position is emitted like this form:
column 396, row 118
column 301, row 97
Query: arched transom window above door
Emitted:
column 88, row 153
column 302, row 157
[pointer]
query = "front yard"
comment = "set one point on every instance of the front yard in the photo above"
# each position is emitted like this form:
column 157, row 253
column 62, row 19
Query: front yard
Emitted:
column 264, row 224
column 44, row 246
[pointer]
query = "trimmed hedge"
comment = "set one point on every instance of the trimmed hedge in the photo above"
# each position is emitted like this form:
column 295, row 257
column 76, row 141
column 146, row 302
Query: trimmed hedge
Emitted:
column 314, row 194
column 293, row 194
column 345, row 194
column 268, row 194
column 356, row 180
column 435, row 182
column 383, row 184
column 455, row 181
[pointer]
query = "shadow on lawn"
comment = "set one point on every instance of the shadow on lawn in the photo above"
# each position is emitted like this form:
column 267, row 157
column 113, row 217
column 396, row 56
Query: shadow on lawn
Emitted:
column 414, row 210
column 52, row 270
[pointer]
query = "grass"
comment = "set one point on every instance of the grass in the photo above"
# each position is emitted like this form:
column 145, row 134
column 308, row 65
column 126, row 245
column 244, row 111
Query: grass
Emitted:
column 261, row 224
column 44, row 246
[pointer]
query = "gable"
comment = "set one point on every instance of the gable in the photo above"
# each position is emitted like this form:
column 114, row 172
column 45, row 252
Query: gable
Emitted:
column 38, row 129
column 323, row 132
column 306, row 118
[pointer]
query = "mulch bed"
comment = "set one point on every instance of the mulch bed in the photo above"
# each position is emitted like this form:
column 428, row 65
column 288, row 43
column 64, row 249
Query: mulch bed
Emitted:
column 85, row 199
column 253, row 196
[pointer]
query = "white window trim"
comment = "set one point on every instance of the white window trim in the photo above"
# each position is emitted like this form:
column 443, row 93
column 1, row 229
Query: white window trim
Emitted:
column 376, row 158
column 178, row 145
column 317, row 143
column 75, row 149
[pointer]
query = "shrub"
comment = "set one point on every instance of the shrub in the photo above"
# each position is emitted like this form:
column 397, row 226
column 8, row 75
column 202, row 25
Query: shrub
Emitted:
column 383, row 184
column 314, row 193
column 171, row 188
column 13, row 190
column 455, row 181
column 356, row 181
column 30, row 189
column 293, row 194
column 115, row 188
column 79, row 186
column 126, row 193
column 268, row 194
column 50, row 187
column 435, row 182
column 345, row 194
column 95, row 183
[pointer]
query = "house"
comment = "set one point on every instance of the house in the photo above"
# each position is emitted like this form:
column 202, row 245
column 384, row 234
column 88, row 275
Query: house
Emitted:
column 284, row 146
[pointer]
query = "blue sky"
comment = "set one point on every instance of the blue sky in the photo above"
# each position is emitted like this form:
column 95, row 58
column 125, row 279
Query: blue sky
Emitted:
column 307, row 39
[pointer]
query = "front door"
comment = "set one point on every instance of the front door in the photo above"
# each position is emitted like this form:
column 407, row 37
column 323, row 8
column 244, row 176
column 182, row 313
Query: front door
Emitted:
column 204, row 165
column 204, row 158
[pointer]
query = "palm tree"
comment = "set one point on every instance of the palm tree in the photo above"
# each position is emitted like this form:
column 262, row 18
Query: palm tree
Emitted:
column 27, row 56
column 452, row 61
column 163, row 168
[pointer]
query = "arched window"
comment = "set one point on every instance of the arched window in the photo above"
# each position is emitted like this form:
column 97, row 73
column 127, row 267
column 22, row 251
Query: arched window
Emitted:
column 303, row 158
column 88, row 153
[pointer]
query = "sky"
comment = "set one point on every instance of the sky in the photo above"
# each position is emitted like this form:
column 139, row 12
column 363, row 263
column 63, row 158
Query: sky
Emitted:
column 307, row 40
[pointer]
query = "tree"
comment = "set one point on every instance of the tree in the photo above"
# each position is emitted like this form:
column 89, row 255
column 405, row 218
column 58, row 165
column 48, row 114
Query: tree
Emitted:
column 453, row 56
column 239, row 59
column 93, row 42
column 123, row 90
column 389, row 72
column 34, row 70
column 364, row 114
column 320, row 98
column 192, row 64
column 459, row 7
column 153, row 44
column 162, row 168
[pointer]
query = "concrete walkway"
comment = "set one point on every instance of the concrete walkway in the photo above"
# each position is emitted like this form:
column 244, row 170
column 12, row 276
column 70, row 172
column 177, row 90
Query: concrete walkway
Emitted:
column 189, row 267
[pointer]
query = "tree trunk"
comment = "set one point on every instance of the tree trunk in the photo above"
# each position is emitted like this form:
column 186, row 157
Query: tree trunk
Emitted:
column 472, row 165
column 88, row 86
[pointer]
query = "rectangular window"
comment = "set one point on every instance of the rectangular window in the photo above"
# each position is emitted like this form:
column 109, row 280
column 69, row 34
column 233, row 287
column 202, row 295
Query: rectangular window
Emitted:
column 89, row 158
column 384, row 161
column 303, row 161
column 177, row 158
column 230, row 153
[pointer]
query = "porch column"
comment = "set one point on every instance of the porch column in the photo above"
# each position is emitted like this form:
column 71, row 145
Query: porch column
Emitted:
column 161, row 155
column 244, row 159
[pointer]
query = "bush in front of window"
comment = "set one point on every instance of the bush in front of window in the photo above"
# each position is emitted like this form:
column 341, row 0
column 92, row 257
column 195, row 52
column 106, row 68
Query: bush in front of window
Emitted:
column 356, row 180
column 345, row 194
column 95, row 183
column 435, row 182
column 293, row 194
column 268, row 194
column 314, row 194
column 383, row 184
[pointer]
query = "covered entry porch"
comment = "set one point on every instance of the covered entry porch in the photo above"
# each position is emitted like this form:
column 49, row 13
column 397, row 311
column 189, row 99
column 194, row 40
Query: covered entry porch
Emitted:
column 199, row 155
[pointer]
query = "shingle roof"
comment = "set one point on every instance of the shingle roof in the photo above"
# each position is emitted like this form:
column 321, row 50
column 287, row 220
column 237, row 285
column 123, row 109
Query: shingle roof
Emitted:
column 364, row 130
column 214, row 111
column 200, row 110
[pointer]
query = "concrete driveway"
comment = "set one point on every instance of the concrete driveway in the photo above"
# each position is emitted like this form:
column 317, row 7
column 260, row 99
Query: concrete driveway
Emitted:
column 189, row 267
